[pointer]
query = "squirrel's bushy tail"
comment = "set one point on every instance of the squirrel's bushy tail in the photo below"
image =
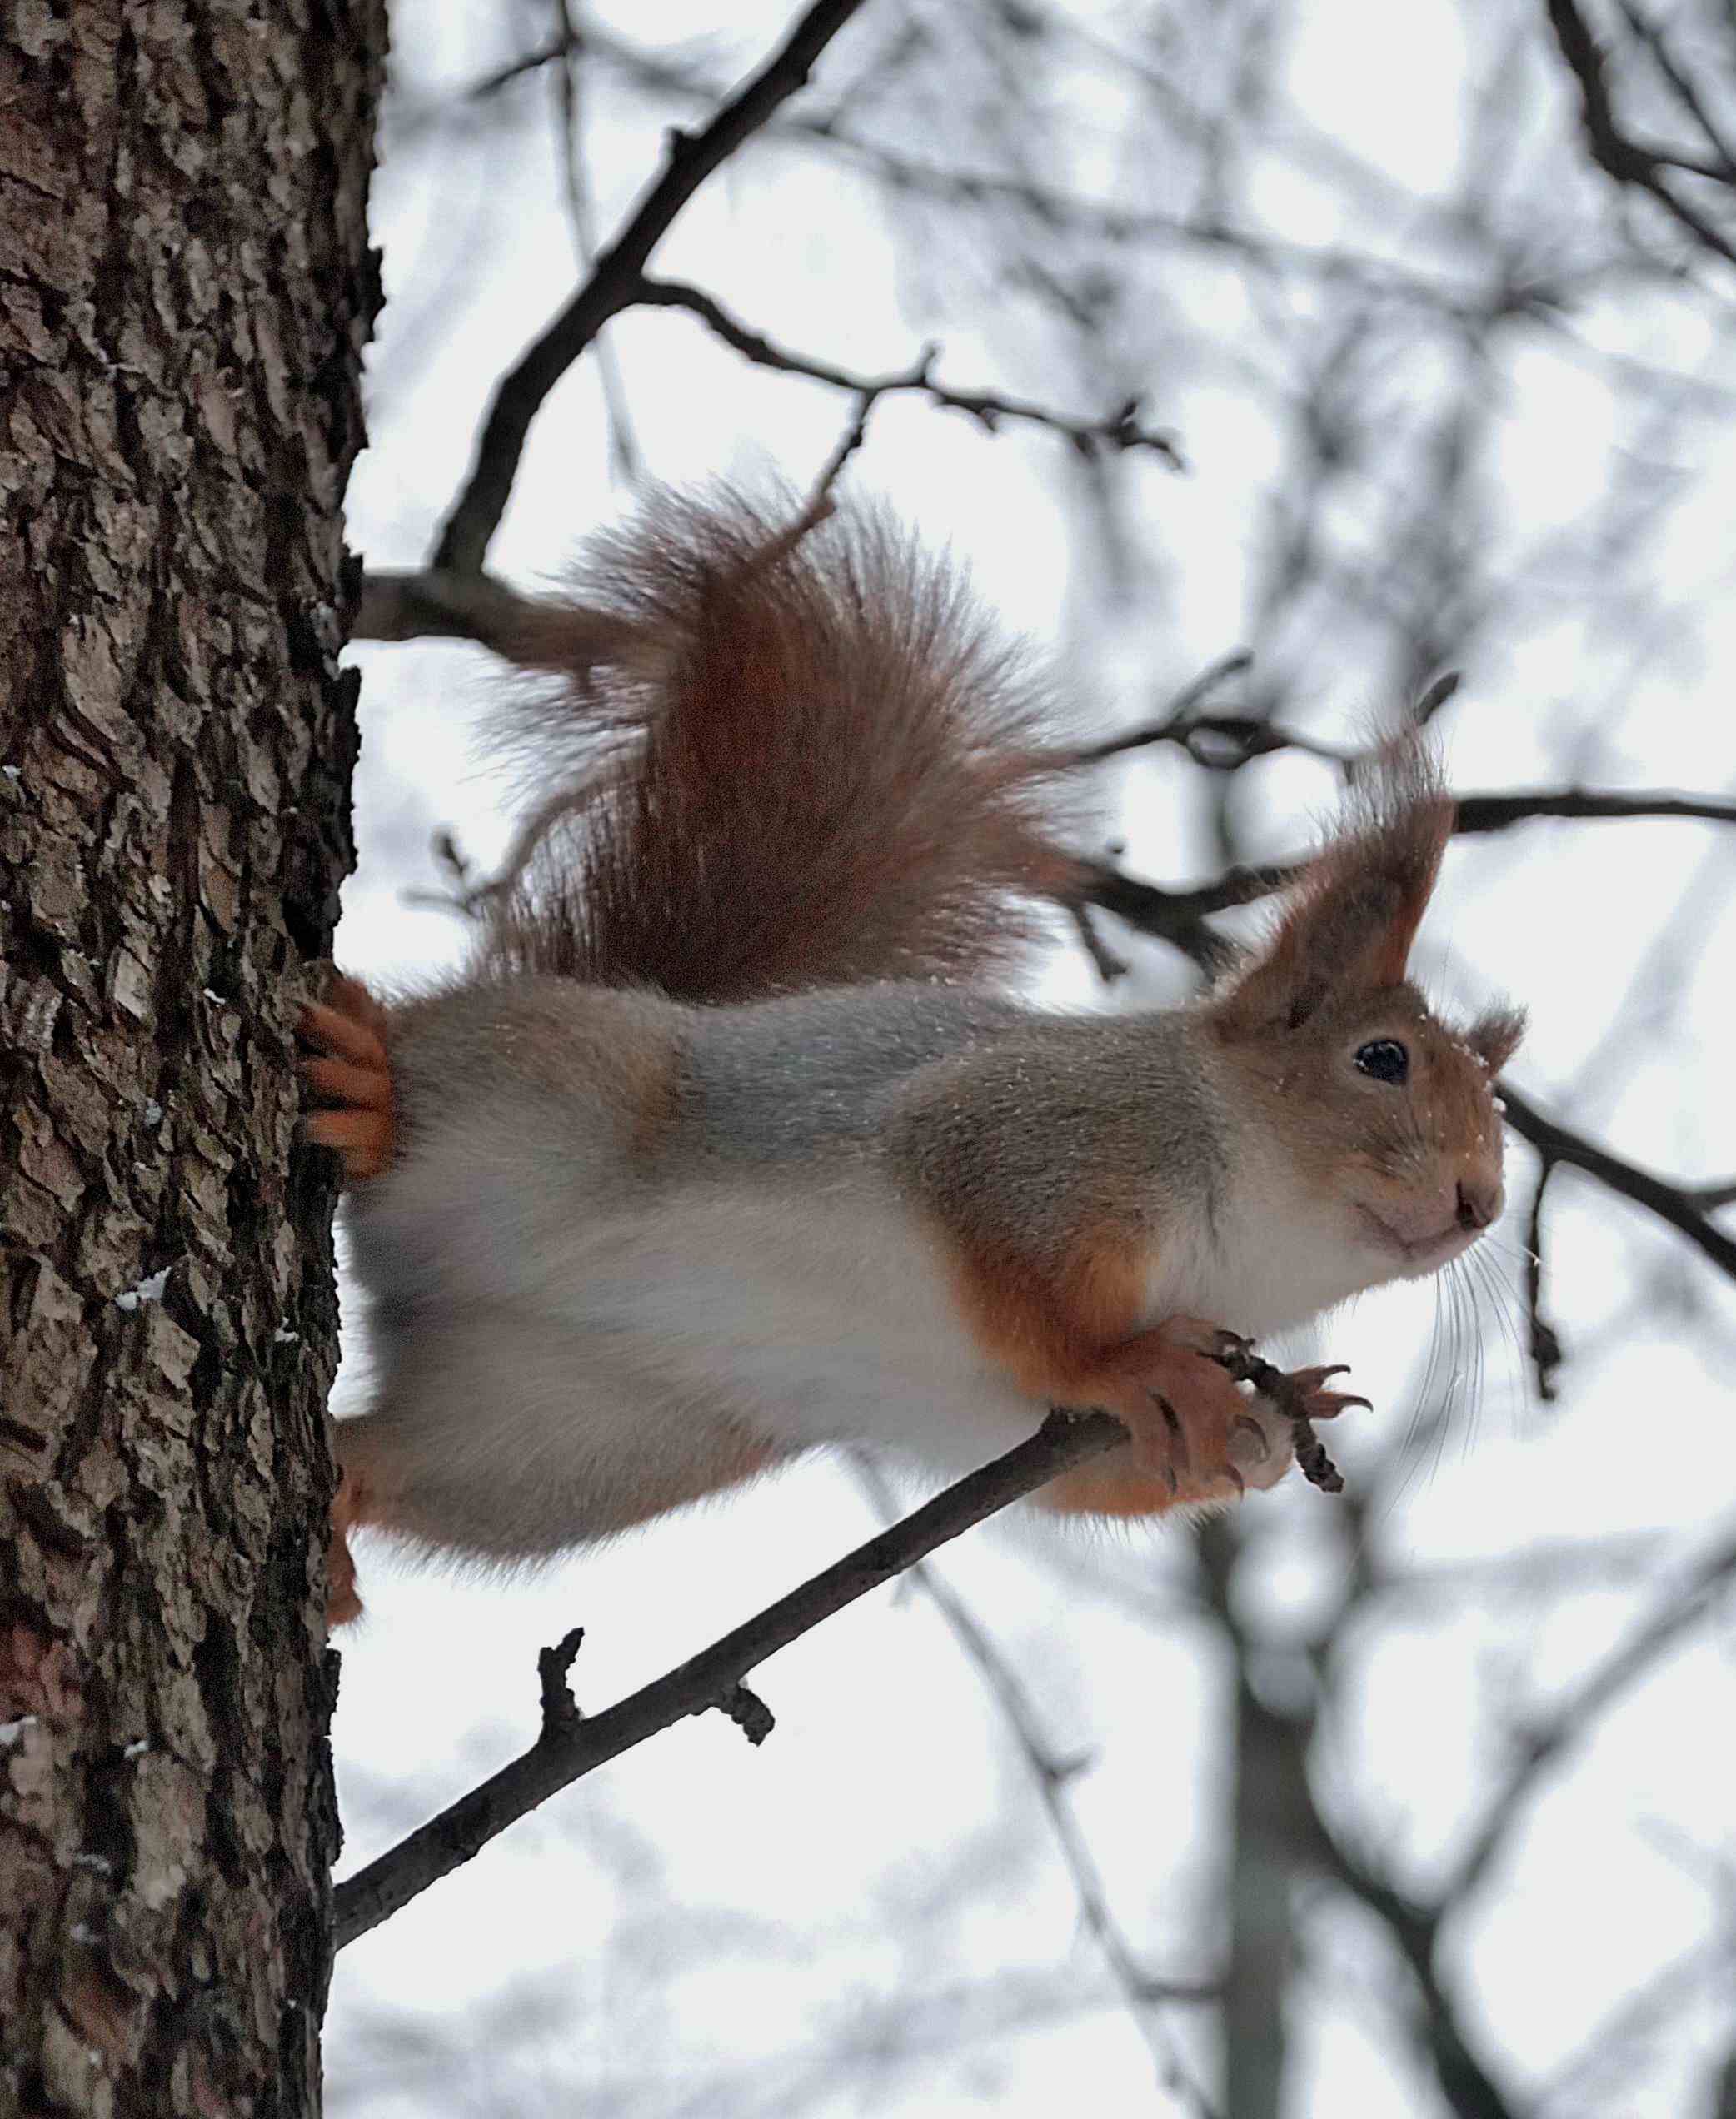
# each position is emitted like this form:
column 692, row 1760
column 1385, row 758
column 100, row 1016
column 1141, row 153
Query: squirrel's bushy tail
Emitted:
column 783, row 754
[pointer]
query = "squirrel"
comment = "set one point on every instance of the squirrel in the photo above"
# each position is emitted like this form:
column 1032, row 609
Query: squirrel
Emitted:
column 732, row 1140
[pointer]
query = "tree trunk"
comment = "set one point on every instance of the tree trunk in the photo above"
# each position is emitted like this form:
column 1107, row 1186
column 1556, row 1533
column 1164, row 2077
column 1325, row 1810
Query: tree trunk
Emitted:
column 1261, row 1953
column 185, row 292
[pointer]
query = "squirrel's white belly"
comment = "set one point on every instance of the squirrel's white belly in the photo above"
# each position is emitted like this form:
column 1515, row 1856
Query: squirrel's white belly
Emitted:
column 821, row 1322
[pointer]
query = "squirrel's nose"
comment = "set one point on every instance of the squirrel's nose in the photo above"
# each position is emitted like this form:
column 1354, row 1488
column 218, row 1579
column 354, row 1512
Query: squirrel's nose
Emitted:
column 1479, row 1201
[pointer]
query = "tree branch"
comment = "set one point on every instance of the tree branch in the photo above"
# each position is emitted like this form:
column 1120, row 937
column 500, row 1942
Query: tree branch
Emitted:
column 1676, row 1203
column 570, row 1746
column 437, row 604
column 690, row 159
column 1544, row 1342
column 1120, row 431
column 1074, row 215
column 1611, row 149
column 1482, row 813
column 1283, row 1738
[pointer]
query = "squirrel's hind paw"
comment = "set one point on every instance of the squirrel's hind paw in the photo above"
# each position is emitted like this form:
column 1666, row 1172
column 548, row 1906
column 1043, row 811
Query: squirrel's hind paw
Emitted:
column 347, row 1074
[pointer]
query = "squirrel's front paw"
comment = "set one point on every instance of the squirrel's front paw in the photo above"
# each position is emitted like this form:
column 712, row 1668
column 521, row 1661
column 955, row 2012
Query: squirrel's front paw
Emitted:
column 351, row 1077
column 1193, row 1429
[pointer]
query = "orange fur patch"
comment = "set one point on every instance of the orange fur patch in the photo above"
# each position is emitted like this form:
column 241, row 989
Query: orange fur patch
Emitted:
column 1050, row 1331
column 1069, row 1338
column 648, row 1074
column 1114, row 1486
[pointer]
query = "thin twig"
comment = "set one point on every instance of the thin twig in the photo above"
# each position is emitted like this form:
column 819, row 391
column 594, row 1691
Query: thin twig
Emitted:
column 820, row 502
column 1177, row 917
column 1688, row 94
column 1108, row 966
column 1674, row 1203
column 570, row 1746
column 1120, row 431
column 566, row 1751
column 1545, row 1343
column 1178, row 718
column 570, row 36
column 1611, row 149
column 690, row 159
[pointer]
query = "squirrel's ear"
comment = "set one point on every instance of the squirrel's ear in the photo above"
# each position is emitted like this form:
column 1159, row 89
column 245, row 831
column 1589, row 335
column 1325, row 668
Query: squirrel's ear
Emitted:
column 1496, row 1036
column 1354, row 913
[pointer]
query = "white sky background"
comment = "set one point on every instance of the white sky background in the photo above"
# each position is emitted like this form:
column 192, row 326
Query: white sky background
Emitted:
column 704, row 1912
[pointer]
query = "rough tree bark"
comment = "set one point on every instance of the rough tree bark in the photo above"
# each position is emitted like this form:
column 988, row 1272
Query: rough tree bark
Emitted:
column 185, row 288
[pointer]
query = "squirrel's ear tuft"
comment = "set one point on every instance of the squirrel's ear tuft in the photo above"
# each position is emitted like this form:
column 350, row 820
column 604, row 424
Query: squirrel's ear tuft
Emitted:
column 1354, row 911
column 1496, row 1036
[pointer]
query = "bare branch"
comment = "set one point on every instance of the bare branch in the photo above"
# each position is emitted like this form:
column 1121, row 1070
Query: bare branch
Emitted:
column 1182, row 716
column 1120, row 431
column 1177, row 917
column 1469, row 2089
column 690, row 159
column 1676, row 1203
column 570, row 1747
column 1481, row 812
column 439, row 605
column 1545, row 1342
column 1077, row 216
column 1723, row 165
column 623, row 449
column 1621, row 157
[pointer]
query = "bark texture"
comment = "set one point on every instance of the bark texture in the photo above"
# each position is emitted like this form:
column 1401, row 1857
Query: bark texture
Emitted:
column 185, row 288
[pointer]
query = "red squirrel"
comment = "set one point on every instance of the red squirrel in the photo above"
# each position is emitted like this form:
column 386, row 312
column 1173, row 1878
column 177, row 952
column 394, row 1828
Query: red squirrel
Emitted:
column 730, row 1141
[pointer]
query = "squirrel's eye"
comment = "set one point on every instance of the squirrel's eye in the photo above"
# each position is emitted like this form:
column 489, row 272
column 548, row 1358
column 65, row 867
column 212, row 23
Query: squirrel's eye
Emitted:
column 1385, row 1058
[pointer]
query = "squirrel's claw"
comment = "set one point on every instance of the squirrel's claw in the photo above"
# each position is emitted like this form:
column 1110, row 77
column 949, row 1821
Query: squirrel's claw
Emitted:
column 1305, row 1394
column 1304, row 1397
